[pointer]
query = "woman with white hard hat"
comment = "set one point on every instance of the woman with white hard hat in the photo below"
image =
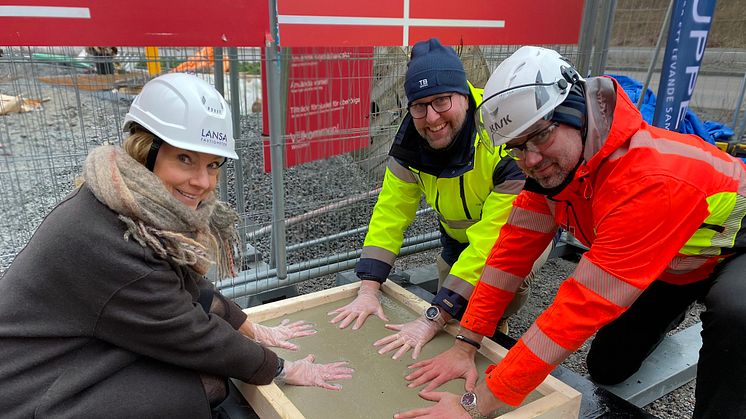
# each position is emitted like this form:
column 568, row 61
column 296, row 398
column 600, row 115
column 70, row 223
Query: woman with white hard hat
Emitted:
column 107, row 313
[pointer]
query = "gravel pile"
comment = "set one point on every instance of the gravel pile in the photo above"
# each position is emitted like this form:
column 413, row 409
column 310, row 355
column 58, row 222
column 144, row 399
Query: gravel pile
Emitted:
column 45, row 150
column 41, row 152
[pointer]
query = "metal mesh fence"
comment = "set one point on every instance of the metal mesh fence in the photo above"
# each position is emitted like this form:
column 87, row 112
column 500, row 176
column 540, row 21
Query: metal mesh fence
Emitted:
column 71, row 107
column 636, row 27
column 55, row 108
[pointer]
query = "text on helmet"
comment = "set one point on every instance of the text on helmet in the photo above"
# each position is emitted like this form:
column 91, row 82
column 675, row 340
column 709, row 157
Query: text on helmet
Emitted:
column 214, row 137
column 499, row 124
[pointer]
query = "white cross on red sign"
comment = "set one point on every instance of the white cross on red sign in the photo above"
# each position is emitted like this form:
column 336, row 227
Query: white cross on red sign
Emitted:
column 301, row 22
column 404, row 22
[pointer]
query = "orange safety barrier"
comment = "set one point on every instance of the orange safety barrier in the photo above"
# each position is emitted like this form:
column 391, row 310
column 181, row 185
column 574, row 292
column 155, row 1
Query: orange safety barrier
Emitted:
column 204, row 58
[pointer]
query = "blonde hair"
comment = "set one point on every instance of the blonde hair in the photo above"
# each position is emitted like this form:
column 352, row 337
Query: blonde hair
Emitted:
column 137, row 145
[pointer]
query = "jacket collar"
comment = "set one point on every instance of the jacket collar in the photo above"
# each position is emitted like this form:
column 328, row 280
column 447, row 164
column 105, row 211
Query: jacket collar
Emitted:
column 612, row 120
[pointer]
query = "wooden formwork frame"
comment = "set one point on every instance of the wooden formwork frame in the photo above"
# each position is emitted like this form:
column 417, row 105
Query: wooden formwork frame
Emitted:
column 559, row 400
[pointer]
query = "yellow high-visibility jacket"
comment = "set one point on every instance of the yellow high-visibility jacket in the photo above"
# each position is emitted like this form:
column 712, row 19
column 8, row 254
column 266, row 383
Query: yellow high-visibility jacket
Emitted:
column 471, row 193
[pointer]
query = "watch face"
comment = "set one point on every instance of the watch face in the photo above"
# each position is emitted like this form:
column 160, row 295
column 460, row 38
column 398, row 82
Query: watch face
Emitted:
column 432, row 312
column 469, row 399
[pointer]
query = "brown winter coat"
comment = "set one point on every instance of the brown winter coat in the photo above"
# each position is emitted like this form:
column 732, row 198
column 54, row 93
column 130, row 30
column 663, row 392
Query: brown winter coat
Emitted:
column 92, row 325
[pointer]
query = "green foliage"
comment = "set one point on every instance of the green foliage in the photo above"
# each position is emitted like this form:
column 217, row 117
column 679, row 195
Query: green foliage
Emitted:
column 253, row 67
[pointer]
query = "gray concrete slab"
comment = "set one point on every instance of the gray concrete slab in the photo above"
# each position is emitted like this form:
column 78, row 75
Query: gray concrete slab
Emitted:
column 671, row 365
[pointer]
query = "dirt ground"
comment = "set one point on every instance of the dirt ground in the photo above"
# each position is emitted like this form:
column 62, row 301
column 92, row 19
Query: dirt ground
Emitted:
column 637, row 23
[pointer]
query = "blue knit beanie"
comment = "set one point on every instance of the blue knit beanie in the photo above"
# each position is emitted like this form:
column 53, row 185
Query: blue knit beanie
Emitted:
column 434, row 69
column 572, row 110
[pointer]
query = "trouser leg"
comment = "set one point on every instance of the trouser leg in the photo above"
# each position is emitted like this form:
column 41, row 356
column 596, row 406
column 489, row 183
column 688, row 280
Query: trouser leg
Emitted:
column 621, row 346
column 721, row 370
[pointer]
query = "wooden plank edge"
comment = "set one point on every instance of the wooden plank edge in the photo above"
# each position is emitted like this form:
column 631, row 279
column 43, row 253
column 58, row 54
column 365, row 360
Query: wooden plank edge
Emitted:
column 269, row 402
column 281, row 308
column 552, row 406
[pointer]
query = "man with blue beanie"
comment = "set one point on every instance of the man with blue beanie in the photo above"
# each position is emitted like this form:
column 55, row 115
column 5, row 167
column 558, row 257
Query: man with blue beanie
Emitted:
column 436, row 152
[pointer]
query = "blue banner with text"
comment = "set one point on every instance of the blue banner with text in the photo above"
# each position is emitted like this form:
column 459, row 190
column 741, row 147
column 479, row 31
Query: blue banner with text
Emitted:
column 685, row 48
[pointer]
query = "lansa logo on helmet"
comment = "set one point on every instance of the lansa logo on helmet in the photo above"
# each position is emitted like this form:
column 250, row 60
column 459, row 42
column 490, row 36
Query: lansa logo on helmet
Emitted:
column 214, row 137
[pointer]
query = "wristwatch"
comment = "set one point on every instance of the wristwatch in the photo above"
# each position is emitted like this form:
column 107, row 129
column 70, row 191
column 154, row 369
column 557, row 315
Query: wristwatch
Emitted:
column 434, row 315
column 280, row 372
column 469, row 403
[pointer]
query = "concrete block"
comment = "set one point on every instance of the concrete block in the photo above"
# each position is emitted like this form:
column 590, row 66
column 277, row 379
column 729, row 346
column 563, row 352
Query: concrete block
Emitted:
column 671, row 365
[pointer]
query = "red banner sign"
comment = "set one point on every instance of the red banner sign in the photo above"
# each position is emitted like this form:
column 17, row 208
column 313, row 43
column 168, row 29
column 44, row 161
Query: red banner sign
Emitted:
column 302, row 22
column 328, row 103
column 399, row 22
column 134, row 23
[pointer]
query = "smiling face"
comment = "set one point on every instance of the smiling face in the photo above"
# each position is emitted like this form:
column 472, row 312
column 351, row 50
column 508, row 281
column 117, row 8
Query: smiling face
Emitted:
column 551, row 166
column 190, row 176
column 440, row 128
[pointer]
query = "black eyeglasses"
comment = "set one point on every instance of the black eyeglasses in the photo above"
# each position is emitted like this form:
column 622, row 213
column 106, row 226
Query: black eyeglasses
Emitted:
column 536, row 143
column 439, row 104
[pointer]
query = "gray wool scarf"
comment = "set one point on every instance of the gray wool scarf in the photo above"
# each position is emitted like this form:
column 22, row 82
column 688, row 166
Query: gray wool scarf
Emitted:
column 154, row 218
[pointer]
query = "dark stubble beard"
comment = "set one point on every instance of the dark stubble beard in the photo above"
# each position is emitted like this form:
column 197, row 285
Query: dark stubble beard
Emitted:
column 455, row 134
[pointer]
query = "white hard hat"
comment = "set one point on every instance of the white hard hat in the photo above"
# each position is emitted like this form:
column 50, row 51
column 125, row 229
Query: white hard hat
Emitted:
column 525, row 88
column 186, row 112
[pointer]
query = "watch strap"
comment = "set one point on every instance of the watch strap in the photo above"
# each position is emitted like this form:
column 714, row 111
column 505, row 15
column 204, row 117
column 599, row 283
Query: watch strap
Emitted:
column 471, row 342
column 474, row 412
column 280, row 372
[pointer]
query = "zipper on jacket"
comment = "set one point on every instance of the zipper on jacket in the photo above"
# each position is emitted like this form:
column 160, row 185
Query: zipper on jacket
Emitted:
column 463, row 197
column 569, row 209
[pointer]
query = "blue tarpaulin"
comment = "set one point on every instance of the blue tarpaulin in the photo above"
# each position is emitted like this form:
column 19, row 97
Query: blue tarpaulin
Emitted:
column 709, row 131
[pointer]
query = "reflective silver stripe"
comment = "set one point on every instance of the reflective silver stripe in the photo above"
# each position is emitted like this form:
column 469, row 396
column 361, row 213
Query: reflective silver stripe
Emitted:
column 457, row 224
column 731, row 169
column 543, row 346
column 510, row 187
column 710, row 251
column 400, row 171
column 458, row 285
column 531, row 220
column 604, row 284
column 378, row 253
column 681, row 265
column 732, row 224
column 552, row 207
column 500, row 279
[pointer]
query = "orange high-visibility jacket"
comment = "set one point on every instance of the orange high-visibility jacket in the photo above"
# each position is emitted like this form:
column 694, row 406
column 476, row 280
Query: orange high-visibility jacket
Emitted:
column 650, row 204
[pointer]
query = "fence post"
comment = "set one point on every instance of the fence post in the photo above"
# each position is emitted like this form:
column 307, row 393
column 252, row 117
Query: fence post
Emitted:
column 608, row 9
column 585, row 43
column 656, row 52
column 276, row 148
column 238, row 163
column 739, row 102
column 218, row 70
column 742, row 129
